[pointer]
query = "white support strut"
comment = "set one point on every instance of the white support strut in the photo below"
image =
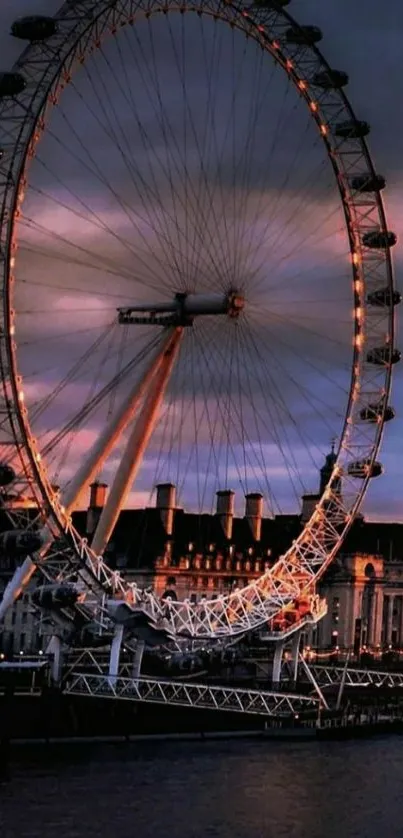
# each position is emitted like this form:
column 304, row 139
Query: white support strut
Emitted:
column 97, row 456
column 108, row 438
column 136, row 445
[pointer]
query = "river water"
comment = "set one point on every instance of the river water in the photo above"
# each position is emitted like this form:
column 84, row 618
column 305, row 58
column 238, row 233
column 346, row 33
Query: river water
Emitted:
column 221, row 789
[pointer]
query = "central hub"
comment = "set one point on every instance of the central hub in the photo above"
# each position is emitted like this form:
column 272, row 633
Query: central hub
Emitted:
column 183, row 309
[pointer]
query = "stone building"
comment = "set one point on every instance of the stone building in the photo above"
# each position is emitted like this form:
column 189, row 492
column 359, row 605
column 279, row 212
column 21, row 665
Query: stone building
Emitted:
column 183, row 554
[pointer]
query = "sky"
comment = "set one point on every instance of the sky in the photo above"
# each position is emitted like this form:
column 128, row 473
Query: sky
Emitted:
column 366, row 46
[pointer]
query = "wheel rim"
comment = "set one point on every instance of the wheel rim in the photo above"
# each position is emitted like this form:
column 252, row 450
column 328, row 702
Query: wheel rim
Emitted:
column 370, row 383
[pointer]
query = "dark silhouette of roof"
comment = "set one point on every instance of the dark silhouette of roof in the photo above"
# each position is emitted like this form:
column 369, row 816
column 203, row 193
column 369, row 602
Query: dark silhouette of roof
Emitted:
column 139, row 536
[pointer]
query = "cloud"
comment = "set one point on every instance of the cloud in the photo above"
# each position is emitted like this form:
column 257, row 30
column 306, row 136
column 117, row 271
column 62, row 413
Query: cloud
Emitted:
column 265, row 217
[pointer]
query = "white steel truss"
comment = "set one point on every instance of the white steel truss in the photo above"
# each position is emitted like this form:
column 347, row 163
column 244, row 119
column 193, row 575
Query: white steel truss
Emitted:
column 48, row 67
column 182, row 694
column 327, row 676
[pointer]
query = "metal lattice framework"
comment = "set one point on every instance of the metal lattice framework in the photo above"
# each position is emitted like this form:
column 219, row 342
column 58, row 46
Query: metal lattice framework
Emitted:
column 190, row 694
column 47, row 67
column 327, row 676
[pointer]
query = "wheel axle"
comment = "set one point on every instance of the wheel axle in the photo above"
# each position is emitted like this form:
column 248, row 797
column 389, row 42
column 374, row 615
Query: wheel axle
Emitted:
column 182, row 310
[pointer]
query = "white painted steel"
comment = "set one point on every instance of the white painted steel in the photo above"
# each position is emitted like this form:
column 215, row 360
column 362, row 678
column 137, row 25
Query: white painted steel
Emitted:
column 47, row 67
column 189, row 694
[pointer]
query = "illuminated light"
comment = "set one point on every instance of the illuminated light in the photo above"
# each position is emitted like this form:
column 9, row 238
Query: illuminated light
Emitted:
column 358, row 314
column 313, row 106
column 275, row 45
column 356, row 258
column 38, row 457
column 261, row 29
column 245, row 14
column 289, row 64
column 358, row 340
column 12, row 262
column 12, row 330
column 21, row 396
column 302, row 85
column 323, row 130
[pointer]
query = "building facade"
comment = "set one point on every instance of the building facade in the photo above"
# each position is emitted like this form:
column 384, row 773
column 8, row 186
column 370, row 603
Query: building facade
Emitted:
column 186, row 555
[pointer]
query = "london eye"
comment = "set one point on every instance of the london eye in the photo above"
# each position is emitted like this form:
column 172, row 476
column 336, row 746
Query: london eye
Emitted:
column 197, row 291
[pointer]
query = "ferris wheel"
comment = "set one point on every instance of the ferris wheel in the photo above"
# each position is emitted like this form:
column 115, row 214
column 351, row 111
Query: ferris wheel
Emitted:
column 197, row 288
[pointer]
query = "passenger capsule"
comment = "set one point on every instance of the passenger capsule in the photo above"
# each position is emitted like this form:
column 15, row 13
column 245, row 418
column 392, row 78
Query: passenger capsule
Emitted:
column 330, row 79
column 368, row 183
column 34, row 28
column 11, row 84
column 384, row 297
column 55, row 597
column 382, row 355
column 374, row 412
column 352, row 129
column 364, row 468
column 7, row 475
column 19, row 543
column 304, row 35
column 379, row 239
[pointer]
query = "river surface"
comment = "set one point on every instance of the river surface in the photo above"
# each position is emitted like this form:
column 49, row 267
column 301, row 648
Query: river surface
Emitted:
column 221, row 789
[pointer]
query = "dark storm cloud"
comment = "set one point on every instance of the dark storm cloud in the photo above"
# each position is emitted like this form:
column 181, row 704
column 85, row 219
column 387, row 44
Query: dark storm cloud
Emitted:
column 364, row 41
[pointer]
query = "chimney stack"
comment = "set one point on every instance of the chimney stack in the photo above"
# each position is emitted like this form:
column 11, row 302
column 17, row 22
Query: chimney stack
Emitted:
column 225, row 511
column 97, row 502
column 254, row 513
column 166, row 503
column 309, row 503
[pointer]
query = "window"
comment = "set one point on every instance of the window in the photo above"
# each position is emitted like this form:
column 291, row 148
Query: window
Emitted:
column 335, row 617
